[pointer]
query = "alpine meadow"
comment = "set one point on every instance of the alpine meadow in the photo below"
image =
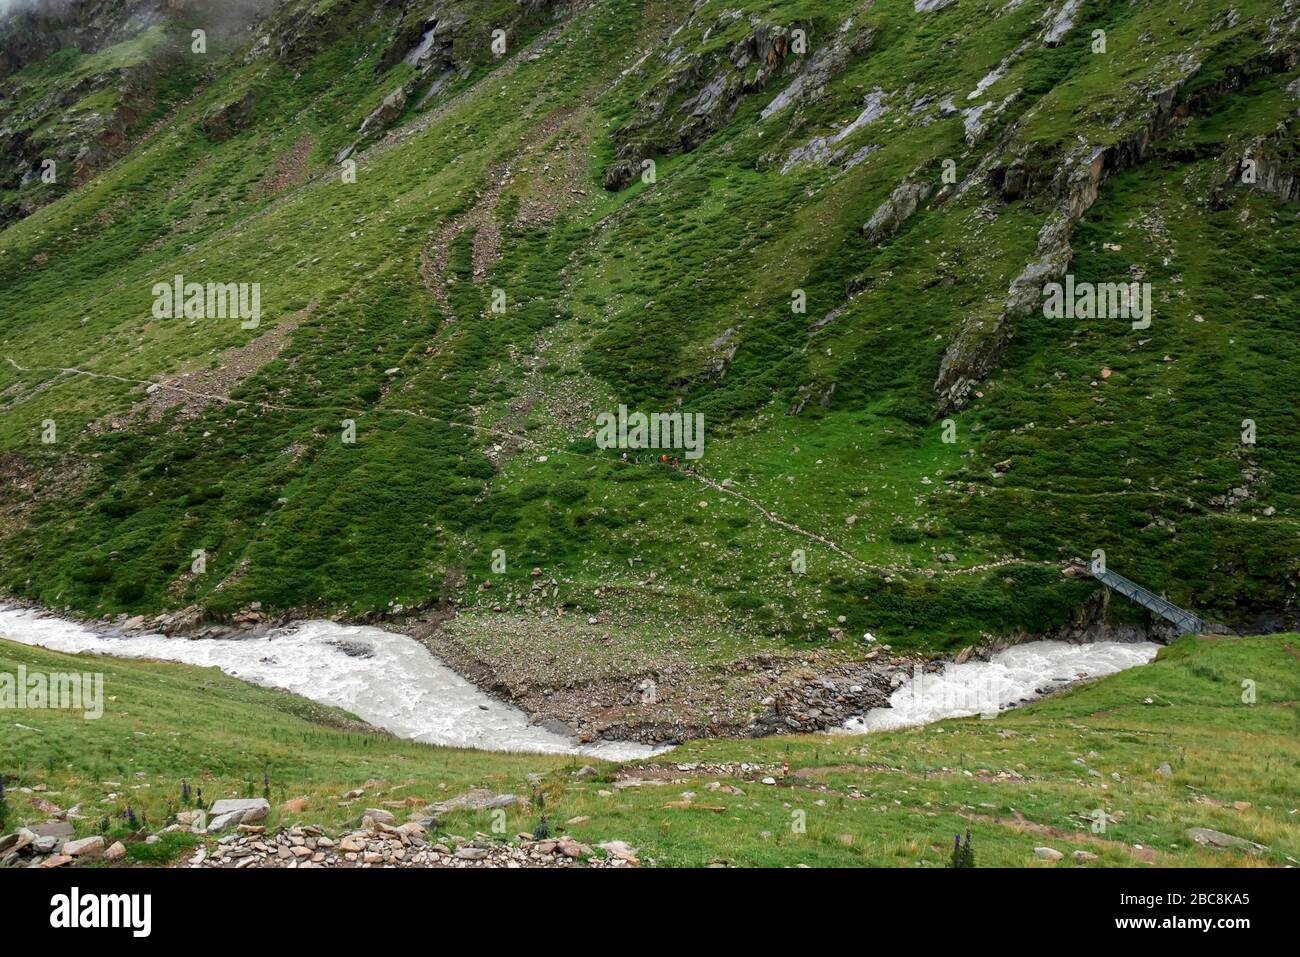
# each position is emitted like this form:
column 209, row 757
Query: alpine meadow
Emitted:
column 612, row 434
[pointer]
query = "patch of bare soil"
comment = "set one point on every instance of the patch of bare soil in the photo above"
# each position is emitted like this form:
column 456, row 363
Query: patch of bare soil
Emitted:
column 290, row 168
column 434, row 261
column 560, row 177
column 197, row 389
column 603, row 680
column 554, row 153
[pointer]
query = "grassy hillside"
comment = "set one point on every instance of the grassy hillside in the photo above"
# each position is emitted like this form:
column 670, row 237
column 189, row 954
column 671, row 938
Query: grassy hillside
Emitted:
column 503, row 178
column 1037, row 776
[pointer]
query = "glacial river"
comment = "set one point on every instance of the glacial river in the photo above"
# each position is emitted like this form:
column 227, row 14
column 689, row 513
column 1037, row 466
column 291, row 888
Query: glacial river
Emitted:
column 395, row 683
column 389, row 680
column 1009, row 677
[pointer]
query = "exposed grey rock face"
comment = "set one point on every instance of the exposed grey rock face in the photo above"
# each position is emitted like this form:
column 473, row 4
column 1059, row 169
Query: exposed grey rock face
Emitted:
column 893, row 212
column 1272, row 176
column 997, row 73
column 982, row 339
column 1060, row 21
column 56, row 125
column 445, row 38
column 821, row 149
column 697, row 96
column 1258, row 168
column 826, row 61
column 35, row 30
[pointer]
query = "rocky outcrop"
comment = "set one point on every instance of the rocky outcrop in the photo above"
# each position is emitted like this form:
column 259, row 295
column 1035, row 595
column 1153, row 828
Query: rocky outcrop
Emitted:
column 699, row 93
column 225, row 121
column 1275, row 177
column 893, row 212
column 982, row 339
column 35, row 30
column 826, row 62
column 40, row 123
column 385, row 113
column 1258, row 168
column 1091, row 621
column 298, row 32
column 833, row 147
column 452, row 36
column 1060, row 21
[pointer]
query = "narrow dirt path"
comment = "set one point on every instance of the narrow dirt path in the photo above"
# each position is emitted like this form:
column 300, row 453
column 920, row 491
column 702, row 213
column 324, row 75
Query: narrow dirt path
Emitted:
column 519, row 440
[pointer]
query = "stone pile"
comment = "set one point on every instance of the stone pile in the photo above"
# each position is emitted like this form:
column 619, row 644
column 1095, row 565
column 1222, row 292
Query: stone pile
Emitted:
column 405, row 845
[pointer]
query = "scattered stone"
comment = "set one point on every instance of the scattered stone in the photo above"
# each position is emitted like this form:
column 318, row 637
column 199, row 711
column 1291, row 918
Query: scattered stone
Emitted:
column 16, row 841
column 86, row 847
column 53, row 829
column 620, row 850
column 1048, row 854
column 571, row 848
column 230, row 812
column 1206, row 837
column 115, row 852
column 478, row 799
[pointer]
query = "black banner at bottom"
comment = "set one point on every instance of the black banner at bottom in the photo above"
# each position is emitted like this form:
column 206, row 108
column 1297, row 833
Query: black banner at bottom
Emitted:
column 141, row 906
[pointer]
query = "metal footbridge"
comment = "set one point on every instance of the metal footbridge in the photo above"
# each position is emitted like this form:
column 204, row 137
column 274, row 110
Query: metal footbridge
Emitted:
column 1183, row 620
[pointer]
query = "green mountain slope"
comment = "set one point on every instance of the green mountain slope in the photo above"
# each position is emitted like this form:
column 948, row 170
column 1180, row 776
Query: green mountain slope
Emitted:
column 839, row 262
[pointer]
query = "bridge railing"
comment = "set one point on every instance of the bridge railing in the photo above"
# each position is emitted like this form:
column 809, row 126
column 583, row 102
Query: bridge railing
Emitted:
column 1183, row 620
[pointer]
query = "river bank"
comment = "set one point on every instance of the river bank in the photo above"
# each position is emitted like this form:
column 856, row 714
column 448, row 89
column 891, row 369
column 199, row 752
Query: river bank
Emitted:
column 417, row 681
